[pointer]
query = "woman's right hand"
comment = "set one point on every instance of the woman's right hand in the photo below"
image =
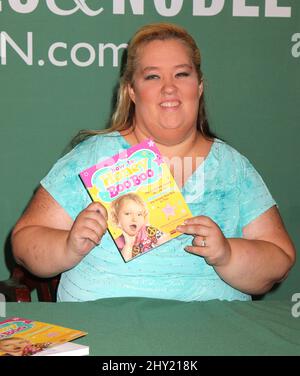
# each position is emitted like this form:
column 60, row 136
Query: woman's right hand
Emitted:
column 87, row 230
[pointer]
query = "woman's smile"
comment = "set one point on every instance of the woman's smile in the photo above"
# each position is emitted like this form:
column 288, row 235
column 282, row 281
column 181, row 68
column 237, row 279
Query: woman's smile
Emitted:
column 170, row 104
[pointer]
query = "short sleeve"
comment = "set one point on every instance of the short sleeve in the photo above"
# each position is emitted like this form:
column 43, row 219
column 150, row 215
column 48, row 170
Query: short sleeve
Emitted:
column 63, row 181
column 255, row 197
column 64, row 184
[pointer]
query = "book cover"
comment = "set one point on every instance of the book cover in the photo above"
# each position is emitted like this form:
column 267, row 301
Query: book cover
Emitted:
column 22, row 337
column 143, row 201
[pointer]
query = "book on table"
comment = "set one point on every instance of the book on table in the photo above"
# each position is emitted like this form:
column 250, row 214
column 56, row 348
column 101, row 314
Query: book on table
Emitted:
column 65, row 349
column 143, row 201
column 23, row 337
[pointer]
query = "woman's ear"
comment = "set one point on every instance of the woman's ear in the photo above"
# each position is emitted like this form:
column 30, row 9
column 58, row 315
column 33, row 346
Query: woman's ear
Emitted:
column 131, row 92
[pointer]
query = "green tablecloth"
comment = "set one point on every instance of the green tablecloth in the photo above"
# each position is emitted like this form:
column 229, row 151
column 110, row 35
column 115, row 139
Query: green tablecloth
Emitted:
column 137, row 326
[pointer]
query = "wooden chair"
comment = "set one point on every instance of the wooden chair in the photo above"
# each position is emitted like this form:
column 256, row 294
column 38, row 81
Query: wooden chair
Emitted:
column 19, row 286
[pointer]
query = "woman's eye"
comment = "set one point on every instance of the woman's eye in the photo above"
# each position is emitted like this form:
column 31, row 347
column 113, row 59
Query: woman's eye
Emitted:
column 182, row 74
column 152, row 77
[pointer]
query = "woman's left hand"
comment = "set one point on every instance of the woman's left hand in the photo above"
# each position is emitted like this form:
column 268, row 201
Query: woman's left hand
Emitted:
column 209, row 241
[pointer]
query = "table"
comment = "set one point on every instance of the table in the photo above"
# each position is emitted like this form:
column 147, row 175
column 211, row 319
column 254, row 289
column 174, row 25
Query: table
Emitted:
column 154, row 327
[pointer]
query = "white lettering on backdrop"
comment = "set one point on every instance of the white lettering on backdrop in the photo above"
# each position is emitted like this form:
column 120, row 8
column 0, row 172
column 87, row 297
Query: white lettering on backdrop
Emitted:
column 30, row 5
column 95, row 55
column 296, row 307
column 6, row 39
column 83, row 54
column 172, row 8
column 296, row 47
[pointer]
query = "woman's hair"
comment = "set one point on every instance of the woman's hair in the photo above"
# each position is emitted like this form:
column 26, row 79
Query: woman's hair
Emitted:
column 116, row 205
column 123, row 116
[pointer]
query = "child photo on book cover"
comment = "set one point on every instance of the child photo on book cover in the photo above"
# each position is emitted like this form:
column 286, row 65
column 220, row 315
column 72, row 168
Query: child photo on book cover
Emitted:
column 16, row 346
column 130, row 214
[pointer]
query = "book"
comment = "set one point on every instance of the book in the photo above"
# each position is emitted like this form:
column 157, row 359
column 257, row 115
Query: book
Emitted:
column 23, row 337
column 143, row 201
column 65, row 349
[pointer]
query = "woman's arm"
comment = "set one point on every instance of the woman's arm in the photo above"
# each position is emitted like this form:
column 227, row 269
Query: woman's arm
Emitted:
column 262, row 258
column 46, row 240
column 252, row 264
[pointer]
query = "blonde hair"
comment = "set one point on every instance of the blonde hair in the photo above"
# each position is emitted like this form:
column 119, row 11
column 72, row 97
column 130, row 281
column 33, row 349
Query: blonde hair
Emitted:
column 14, row 339
column 123, row 116
column 116, row 206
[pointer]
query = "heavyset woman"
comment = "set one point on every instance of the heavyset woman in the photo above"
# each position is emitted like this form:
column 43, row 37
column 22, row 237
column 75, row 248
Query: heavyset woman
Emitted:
column 234, row 246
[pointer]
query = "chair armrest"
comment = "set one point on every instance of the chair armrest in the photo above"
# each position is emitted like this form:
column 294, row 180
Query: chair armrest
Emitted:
column 14, row 291
column 21, row 283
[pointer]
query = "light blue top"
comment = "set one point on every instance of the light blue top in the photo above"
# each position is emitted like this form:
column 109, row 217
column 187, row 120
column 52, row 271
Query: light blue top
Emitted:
column 225, row 187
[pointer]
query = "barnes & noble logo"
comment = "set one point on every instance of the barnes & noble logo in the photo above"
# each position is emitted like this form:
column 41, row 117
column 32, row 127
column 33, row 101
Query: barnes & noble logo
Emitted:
column 84, row 54
column 164, row 8
column 60, row 54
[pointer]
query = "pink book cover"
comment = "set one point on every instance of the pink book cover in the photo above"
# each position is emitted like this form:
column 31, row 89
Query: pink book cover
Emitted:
column 143, row 201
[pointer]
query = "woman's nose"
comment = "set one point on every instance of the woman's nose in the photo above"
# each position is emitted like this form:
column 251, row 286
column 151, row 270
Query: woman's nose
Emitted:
column 168, row 86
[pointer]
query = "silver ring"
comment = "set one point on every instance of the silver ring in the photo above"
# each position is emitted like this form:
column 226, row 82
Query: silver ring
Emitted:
column 203, row 243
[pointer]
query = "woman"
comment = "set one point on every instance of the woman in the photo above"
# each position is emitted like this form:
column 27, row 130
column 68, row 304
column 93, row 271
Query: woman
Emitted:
column 234, row 246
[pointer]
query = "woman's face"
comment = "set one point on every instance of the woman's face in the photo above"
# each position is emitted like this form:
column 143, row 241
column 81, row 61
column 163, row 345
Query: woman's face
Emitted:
column 166, row 92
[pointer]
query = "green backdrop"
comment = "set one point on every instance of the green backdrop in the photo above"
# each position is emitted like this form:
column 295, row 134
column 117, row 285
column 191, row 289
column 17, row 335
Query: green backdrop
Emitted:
column 59, row 67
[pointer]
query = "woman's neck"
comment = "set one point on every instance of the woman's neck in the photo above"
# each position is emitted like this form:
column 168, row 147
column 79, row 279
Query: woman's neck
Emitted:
column 193, row 144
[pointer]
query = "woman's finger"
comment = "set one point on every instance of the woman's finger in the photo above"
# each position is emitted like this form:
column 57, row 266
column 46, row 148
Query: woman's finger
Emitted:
column 196, row 230
column 94, row 216
column 99, row 226
column 200, row 220
column 200, row 251
column 200, row 241
column 98, row 208
column 91, row 235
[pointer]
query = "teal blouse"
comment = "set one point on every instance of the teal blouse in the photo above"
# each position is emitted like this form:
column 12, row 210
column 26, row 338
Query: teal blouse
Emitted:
column 225, row 187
